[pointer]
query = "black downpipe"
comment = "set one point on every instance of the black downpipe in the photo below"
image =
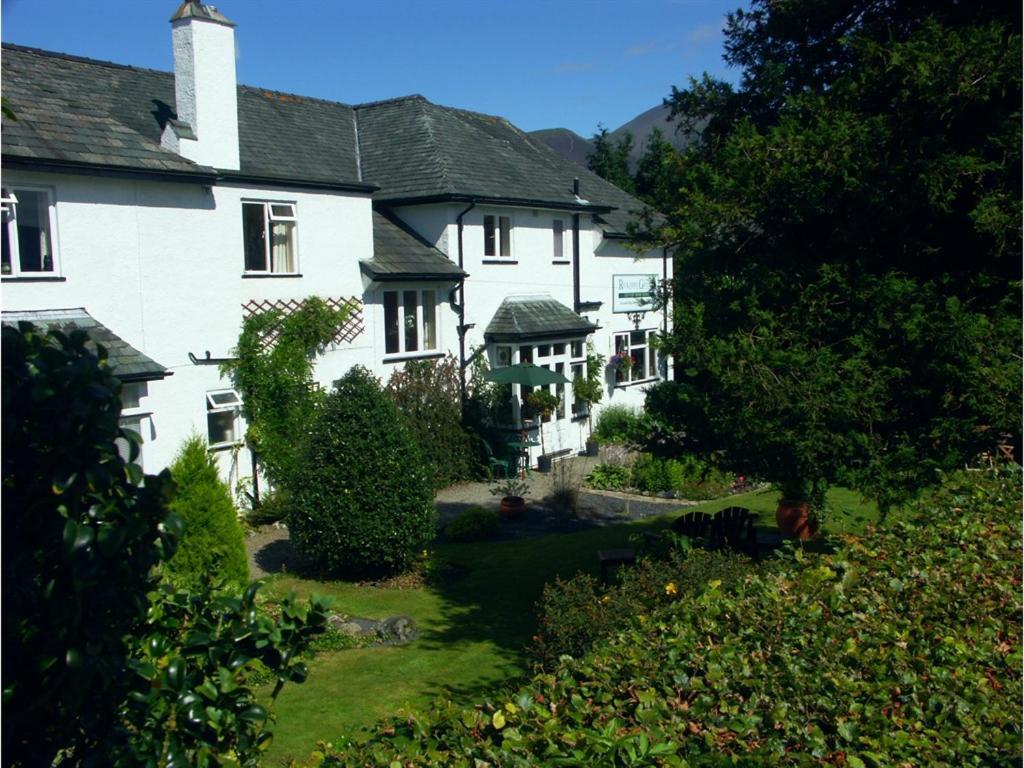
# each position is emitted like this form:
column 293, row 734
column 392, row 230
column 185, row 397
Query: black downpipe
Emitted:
column 576, row 252
column 462, row 314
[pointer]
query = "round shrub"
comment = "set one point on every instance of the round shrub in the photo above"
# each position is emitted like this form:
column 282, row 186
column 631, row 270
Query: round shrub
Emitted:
column 621, row 424
column 212, row 542
column 475, row 524
column 361, row 495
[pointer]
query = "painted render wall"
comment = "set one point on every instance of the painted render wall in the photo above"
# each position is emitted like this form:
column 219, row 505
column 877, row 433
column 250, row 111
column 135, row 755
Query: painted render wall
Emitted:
column 161, row 265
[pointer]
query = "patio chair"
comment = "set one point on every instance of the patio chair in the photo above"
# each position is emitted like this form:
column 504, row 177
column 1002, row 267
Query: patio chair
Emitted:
column 495, row 463
column 695, row 525
column 733, row 527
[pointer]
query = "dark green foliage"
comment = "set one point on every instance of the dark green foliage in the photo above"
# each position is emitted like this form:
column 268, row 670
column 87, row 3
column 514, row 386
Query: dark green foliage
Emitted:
column 903, row 647
column 656, row 170
column 279, row 395
column 475, row 524
column 574, row 614
column 847, row 242
column 103, row 664
column 610, row 477
column 687, row 475
column 426, row 393
column 193, row 704
column 361, row 495
column 80, row 538
column 610, row 158
column 212, row 544
column 273, row 508
column 621, row 424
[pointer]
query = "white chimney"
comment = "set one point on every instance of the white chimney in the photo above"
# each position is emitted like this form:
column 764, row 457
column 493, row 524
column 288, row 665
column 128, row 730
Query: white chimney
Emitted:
column 205, row 87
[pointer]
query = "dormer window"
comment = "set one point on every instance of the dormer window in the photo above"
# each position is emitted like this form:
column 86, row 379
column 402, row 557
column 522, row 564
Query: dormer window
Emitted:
column 28, row 227
column 268, row 229
column 497, row 235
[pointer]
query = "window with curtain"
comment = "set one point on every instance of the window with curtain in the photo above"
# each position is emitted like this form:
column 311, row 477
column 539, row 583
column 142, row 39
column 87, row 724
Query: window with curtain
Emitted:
column 27, row 232
column 410, row 321
column 497, row 235
column 268, row 233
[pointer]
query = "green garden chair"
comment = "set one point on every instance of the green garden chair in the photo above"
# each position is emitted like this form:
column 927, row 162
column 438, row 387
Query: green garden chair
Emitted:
column 494, row 462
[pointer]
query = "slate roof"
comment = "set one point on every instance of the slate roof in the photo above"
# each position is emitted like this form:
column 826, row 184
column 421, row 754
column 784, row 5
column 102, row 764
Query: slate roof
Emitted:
column 401, row 254
column 78, row 111
column 534, row 317
column 126, row 362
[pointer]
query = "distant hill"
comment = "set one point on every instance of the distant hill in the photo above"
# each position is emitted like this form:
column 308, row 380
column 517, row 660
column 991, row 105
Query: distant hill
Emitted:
column 576, row 148
column 568, row 144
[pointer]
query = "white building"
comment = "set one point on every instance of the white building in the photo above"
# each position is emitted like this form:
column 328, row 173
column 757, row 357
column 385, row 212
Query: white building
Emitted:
column 157, row 210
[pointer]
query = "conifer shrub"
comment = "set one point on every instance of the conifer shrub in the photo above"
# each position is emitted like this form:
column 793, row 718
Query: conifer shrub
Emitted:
column 212, row 543
column 361, row 495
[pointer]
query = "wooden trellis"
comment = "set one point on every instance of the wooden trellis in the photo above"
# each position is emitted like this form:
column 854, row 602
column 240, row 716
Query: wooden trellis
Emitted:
column 347, row 331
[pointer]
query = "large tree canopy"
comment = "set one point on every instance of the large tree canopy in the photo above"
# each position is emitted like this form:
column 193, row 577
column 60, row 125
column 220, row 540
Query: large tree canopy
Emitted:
column 847, row 242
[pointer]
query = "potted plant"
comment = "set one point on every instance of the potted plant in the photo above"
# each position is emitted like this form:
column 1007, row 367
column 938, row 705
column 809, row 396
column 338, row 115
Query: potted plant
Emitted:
column 543, row 403
column 800, row 509
column 590, row 390
column 511, row 491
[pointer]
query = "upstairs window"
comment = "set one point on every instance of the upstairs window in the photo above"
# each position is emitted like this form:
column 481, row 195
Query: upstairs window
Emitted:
column 223, row 407
column 558, row 240
column 268, row 230
column 410, row 321
column 28, row 227
column 497, row 235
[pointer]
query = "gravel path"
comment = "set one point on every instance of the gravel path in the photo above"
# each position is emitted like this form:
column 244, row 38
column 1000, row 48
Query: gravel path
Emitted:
column 270, row 550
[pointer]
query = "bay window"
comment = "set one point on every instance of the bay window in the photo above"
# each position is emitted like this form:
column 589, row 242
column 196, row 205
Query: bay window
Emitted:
column 29, row 223
column 268, row 231
column 410, row 321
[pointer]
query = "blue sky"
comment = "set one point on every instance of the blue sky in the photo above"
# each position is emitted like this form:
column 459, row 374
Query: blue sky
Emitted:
column 560, row 63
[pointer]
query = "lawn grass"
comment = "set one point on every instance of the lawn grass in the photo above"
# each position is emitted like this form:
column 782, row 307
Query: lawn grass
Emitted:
column 473, row 628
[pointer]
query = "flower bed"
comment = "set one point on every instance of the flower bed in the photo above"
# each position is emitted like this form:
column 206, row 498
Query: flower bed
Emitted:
column 687, row 477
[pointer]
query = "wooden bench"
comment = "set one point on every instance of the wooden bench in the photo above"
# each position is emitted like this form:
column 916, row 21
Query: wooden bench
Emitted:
column 613, row 558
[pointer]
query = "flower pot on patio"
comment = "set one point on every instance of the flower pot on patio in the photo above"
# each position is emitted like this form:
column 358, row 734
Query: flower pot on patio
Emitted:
column 794, row 519
column 512, row 507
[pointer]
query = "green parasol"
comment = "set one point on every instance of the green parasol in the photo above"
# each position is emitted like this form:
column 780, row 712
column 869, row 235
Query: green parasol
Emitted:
column 527, row 374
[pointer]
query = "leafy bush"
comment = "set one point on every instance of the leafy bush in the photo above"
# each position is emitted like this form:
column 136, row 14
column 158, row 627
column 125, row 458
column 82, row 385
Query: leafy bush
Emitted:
column 621, row 424
column 814, row 661
column 610, row 477
column 362, row 499
column 103, row 665
column 475, row 524
column 426, row 393
column 273, row 508
column 574, row 614
column 212, row 543
column 687, row 475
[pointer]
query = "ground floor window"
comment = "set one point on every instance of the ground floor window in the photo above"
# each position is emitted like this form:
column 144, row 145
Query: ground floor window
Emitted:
column 635, row 358
column 133, row 417
column 223, row 410
column 564, row 357
column 410, row 321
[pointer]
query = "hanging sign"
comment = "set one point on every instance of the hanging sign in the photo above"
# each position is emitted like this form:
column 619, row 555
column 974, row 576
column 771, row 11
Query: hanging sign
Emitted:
column 633, row 293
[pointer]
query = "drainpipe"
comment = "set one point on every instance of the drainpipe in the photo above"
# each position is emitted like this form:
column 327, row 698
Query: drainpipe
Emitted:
column 576, row 251
column 462, row 313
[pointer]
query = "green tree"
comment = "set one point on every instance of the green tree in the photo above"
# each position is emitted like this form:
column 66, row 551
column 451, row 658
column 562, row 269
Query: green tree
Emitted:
column 104, row 664
column 847, row 242
column 212, row 544
column 362, row 494
column 656, row 171
column 610, row 158
column 273, row 371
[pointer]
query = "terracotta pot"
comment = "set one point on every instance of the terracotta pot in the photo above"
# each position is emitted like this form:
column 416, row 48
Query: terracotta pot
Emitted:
column 512, row 506
column 794, row 519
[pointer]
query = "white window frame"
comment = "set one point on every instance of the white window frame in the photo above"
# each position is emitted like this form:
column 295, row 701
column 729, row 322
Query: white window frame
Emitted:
column 9, row 205
column 214, row 407
column 498, row 217
column 650, row 356
column 269, row 218
column 421, row 350
column 558, row 241
column 132, row 417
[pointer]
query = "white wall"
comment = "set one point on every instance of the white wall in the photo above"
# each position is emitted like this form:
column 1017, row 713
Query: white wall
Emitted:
column 161, row 265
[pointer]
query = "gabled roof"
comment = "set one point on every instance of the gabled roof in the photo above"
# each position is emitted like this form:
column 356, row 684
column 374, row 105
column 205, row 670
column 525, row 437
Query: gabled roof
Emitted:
column 401, row 254
column 126, row 362
column 76, row 112
column 535, row 317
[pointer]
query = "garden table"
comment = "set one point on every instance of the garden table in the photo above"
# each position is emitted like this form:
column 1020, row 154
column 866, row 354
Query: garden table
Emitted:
column 522, row 448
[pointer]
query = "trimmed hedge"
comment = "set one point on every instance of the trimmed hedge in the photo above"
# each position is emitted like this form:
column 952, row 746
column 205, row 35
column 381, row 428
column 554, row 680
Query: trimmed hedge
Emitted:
column 361, row 498
column 212, row 543
column 901, row 648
